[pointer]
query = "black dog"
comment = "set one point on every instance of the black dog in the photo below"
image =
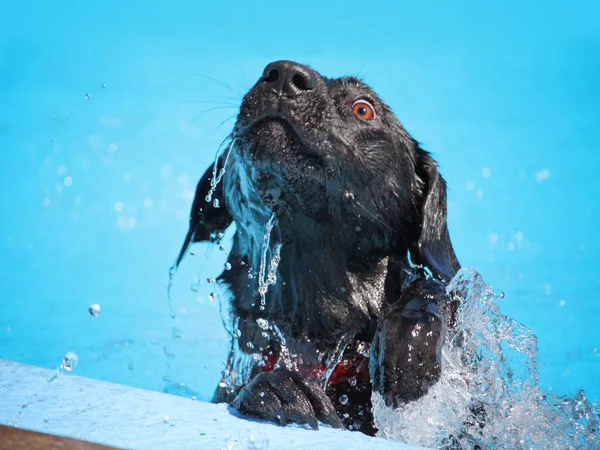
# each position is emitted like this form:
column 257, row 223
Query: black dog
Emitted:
column 330, row 197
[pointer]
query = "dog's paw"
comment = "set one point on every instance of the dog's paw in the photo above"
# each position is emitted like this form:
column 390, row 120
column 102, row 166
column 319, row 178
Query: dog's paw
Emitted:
column 283, row 396
column 406, row 351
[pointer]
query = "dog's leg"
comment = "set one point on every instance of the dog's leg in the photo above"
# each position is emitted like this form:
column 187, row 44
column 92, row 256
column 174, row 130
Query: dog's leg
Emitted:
column 406, row 350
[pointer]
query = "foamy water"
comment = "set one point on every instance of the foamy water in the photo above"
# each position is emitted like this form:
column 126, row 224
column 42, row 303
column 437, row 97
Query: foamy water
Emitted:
column 488, row 394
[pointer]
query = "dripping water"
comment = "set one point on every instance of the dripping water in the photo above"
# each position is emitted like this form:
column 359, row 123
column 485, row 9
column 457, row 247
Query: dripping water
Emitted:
column 271, row 279
column 217, row 177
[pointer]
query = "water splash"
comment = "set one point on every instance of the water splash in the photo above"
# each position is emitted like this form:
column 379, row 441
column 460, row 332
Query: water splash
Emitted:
column 271, row 279
column 488, row 395
column 217, row 177
column 335, row 357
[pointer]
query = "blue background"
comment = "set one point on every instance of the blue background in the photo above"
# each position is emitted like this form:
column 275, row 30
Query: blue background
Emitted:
column 95, row 193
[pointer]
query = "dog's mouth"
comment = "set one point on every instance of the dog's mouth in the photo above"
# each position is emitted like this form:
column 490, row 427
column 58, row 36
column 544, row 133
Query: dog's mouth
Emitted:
column 276, row 122
column 278, row 137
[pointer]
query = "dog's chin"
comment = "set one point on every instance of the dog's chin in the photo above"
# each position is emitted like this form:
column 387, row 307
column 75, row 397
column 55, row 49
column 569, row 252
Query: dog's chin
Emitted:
column 274, row 138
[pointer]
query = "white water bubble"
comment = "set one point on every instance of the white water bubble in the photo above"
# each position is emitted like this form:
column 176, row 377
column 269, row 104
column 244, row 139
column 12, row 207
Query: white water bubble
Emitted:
column 212, row 296
column 215, row 203
column 486, row 172
column 88, row 96
column 227, row 266
column 344, row 399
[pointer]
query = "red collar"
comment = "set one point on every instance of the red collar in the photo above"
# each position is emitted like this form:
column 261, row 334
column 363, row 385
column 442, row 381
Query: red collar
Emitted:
column 352, row 367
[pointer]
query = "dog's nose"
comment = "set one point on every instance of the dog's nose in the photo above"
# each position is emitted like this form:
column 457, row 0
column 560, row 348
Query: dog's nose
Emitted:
column 289, row 78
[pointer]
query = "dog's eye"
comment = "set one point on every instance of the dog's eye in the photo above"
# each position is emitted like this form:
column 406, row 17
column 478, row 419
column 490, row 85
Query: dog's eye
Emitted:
column 363, row 109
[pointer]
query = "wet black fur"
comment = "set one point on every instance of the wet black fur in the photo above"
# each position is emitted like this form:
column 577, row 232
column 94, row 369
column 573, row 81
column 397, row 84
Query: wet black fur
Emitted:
column 356, row 202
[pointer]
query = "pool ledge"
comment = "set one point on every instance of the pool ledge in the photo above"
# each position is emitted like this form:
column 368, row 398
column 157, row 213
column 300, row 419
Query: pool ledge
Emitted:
column 126, row 417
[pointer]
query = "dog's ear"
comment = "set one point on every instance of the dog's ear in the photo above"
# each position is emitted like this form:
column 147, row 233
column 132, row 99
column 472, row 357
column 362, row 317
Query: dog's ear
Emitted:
column 206, row 217
column 431, row 245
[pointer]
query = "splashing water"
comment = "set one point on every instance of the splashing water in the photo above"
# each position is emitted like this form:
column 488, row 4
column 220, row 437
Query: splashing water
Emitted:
column 271, row 279
column 335, row 357
column 216, row 178
column 488, row 396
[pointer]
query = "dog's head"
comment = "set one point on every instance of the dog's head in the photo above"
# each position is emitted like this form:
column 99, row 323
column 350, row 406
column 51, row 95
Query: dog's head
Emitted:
column 329, row 157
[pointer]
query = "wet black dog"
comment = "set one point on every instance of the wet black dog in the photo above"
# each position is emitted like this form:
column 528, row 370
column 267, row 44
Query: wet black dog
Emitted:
column 340, row 255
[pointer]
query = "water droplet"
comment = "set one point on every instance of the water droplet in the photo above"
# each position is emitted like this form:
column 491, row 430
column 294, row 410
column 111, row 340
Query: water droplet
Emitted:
column 87, row 96
column 208, row 198
column 166, row 419
column 344, row 399
column 263, row 323
column 46, row 419
column 227, row 266
column 352, row 381
column 250, row 345
column 212, row 296
column 69, row 361
column 262, row 394
column 237, row 333
column 215, row 203
column 94, row 310
column 210, row 280
column 250, row 276
column 103, row 86
column 193, row 398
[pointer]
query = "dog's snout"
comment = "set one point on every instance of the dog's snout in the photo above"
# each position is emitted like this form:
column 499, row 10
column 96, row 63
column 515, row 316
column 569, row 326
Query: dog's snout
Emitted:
column 289, row 78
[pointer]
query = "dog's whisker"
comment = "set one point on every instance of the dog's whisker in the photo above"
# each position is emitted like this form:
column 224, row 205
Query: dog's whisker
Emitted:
column 211, row 109
column 233, row 116
column 213, row 102
column 219, row 82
